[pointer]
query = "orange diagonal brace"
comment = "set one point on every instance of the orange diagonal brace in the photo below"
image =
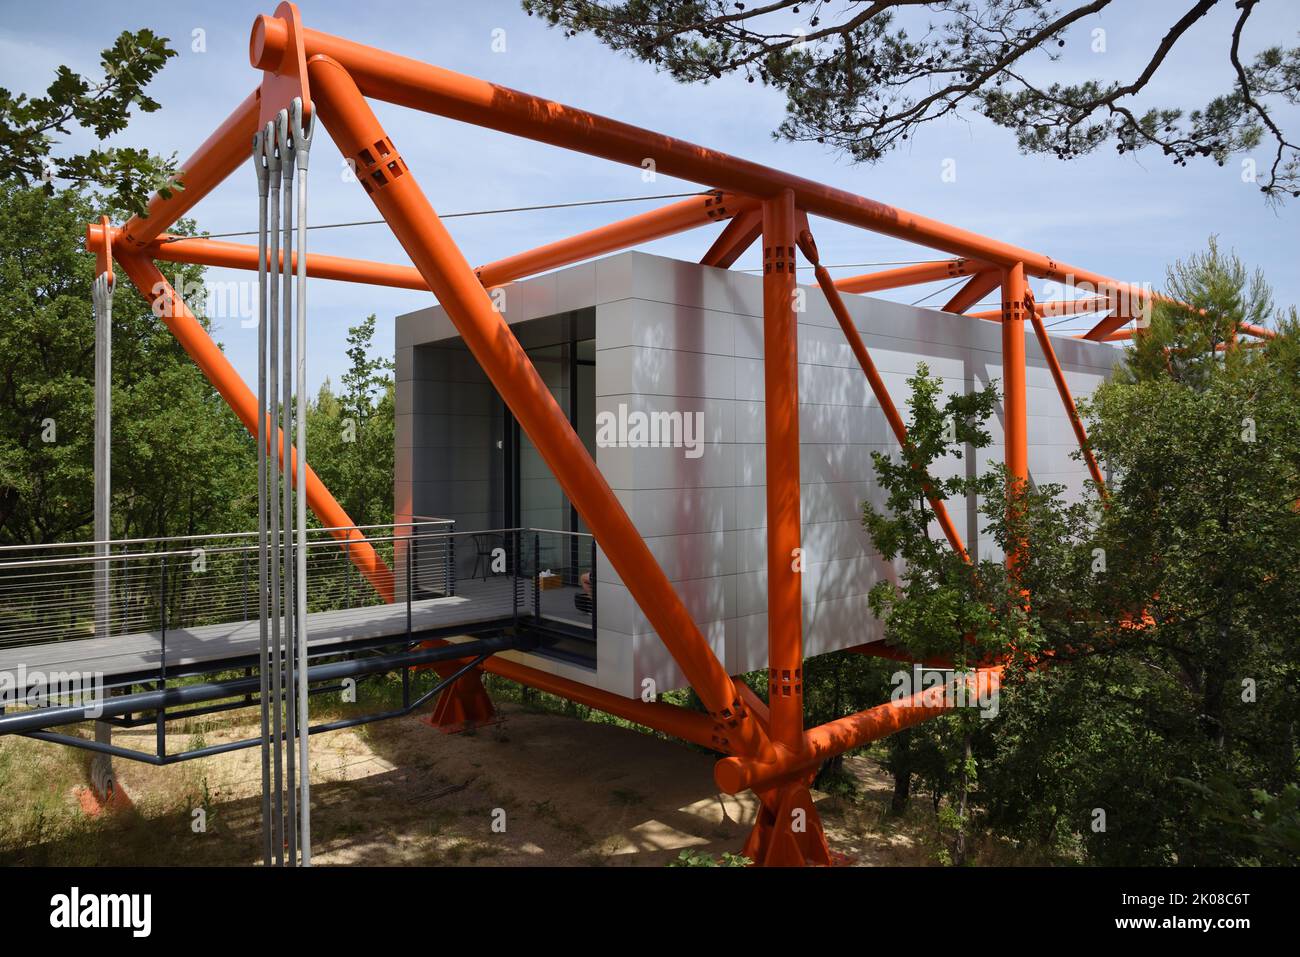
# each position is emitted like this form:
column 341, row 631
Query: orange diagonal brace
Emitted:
column 732, row 242
column 171, row 308
column 979, row 286
column 909, row 275
column 212, row 162
column 689, row 213
column 809, row 248
column 393, row 189
column 1049, row 353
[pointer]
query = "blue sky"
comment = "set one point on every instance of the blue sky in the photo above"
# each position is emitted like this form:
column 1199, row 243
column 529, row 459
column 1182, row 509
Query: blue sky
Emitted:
column 1125, row 217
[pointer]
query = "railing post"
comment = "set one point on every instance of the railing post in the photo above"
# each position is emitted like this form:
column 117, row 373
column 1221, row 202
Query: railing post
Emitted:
column 162, row 611
column 537, row 576
column 450, row 553
column 514, row 574
column 409, row 545
column 160, row 730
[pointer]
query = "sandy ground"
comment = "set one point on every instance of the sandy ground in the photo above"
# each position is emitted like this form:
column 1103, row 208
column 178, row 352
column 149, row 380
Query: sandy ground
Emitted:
column 537, row 789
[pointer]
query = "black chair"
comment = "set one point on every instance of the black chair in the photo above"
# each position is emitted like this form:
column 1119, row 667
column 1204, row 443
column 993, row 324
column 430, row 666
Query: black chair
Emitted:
column 484, row 544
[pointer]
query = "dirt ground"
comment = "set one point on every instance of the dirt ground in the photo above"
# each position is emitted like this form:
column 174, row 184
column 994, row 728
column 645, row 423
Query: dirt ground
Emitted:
column 537, row 789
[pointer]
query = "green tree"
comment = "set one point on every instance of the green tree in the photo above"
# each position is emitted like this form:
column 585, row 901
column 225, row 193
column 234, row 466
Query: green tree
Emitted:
column 1213, row 295
column 1169, row 626
column 182, row 463
column 943, row 606
column 30, row 125
column 1147, row 713
column 865, row 76
column 350, row 438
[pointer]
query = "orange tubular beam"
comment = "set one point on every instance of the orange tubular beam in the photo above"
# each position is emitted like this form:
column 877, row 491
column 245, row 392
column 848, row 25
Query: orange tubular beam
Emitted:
column 189, row 332
column 692, row 726
column 406, row 82
column 1259, row 332
column 908, row 275
column 216, row 159
column 689, row 213
column 781, row 416
column 1126, row 304
column 398, row 197
column 887, row 406
column 211, row 252
column 1055, row 308
column 738, row 236
column 1245, row 328
column 1049, row 353
column 736, row 774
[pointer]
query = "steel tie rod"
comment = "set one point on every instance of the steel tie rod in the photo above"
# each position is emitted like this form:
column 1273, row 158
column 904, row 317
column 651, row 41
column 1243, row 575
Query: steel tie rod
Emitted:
column 260, row 165
column 302, row 137
column 273, row 450
column 284, row 140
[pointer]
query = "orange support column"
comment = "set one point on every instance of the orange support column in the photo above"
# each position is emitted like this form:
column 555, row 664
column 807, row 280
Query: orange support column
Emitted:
column 1015, row 423
column 465, row 704
column 788, row 831
column 781, row 413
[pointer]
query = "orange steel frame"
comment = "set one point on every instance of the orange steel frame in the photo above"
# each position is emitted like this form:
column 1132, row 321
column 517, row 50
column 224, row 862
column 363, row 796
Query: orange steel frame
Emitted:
column 767, row 747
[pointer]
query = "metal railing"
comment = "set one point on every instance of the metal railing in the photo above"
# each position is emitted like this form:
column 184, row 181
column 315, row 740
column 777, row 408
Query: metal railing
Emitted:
column 532, row 589
column 47, row 592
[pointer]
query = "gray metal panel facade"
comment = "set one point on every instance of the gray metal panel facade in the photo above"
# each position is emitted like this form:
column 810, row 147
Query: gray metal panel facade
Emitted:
column 675, row 337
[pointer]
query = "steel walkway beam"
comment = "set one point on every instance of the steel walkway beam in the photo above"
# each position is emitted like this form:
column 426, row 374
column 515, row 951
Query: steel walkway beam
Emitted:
column 39, row 719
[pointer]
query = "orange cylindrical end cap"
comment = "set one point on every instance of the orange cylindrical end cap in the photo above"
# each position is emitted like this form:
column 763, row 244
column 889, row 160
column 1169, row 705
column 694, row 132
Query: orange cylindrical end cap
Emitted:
column 267, row 42
column 729, row 776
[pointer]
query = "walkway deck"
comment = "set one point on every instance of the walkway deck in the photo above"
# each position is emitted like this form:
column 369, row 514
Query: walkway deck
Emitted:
column 476, row 603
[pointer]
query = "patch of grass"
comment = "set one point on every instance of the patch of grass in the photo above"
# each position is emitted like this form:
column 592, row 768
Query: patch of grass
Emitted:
column 691, row 858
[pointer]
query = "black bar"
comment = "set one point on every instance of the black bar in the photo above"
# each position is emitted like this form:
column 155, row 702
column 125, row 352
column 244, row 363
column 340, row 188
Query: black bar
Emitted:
column 41, row 718
column 160, row 735
column 162, row 758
